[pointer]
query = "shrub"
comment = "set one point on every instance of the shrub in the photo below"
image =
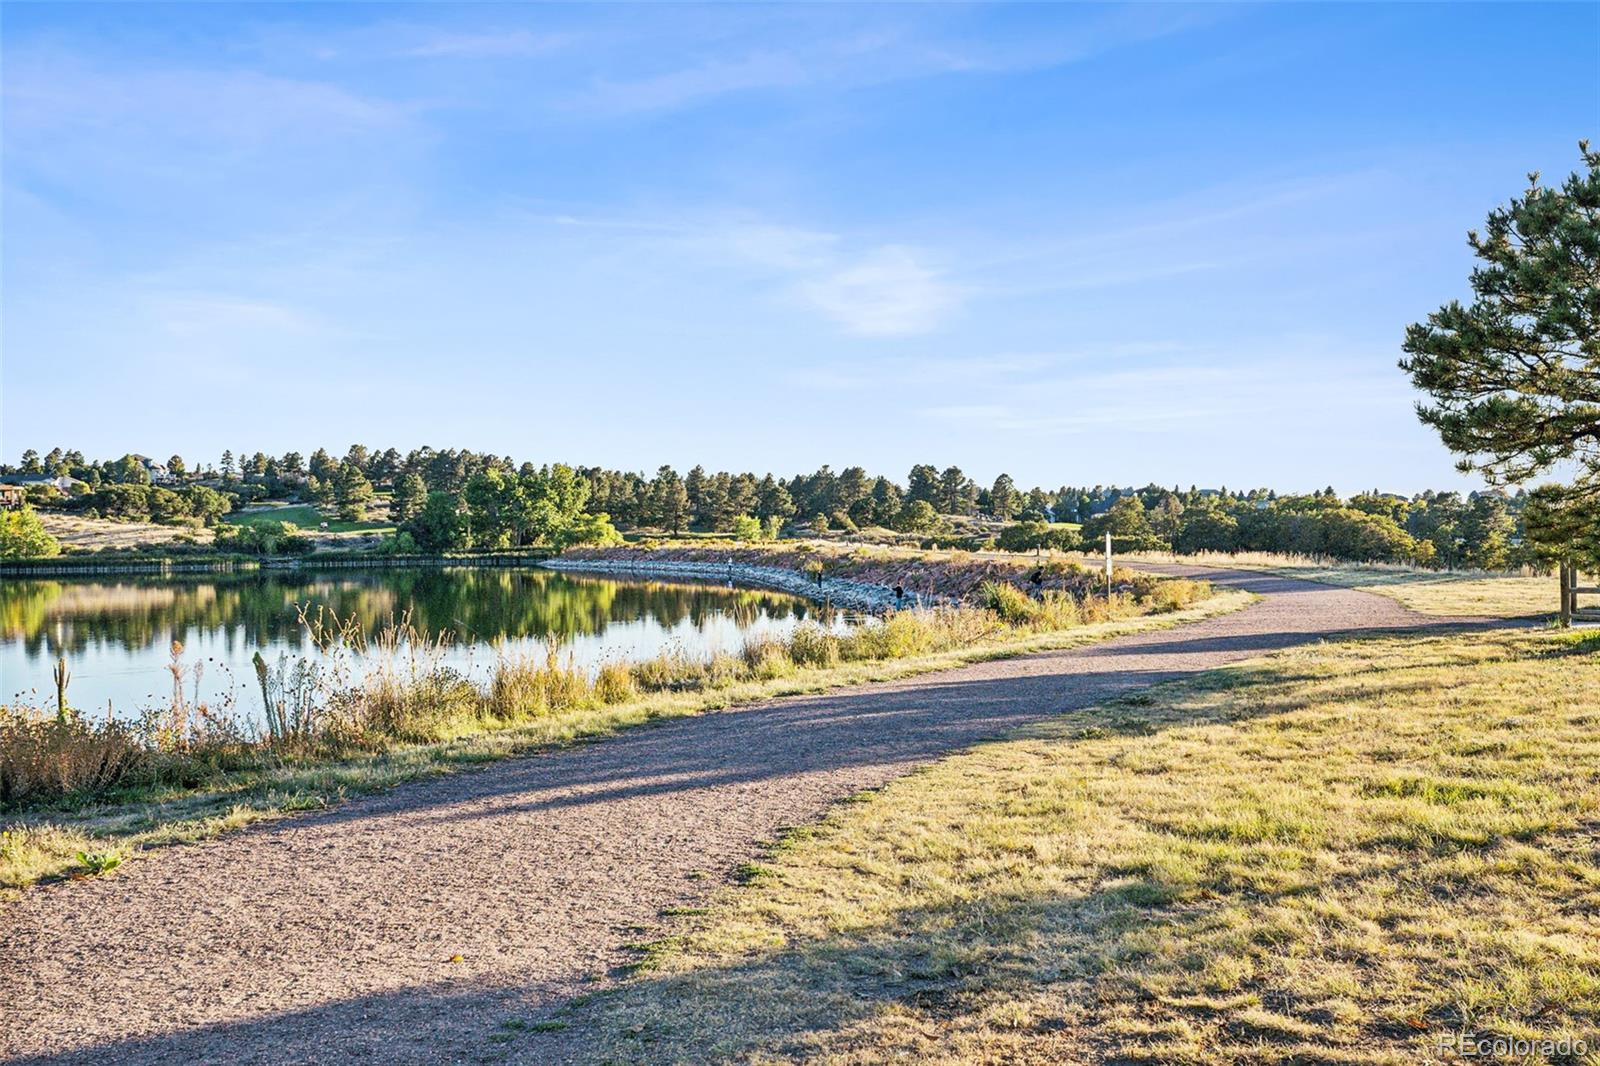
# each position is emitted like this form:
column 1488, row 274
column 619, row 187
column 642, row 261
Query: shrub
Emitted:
column 748, row 528
column 23, row 536
column 812, row 645
column 766, row 658
column 1011, row 604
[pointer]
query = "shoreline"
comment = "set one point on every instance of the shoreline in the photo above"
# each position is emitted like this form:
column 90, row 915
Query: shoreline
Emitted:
column 832, row 592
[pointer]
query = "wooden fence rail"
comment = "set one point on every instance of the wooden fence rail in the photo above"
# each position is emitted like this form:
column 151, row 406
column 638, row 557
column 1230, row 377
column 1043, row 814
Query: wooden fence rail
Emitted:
column 1571, row 588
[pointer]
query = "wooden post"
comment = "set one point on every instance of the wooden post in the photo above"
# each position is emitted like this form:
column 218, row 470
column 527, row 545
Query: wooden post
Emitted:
column 1108, row 566
column 1566, row 594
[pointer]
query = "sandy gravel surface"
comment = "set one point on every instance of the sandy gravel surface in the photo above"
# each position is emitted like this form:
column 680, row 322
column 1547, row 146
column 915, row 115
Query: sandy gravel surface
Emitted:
column 405, row 927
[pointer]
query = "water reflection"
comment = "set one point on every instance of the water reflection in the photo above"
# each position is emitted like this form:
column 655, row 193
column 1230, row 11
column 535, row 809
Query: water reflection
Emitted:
column 117, row 632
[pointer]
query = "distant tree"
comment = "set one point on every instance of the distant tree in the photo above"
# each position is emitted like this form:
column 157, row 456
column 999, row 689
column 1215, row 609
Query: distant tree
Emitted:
column 23, row 536
column 409, row 496
column 166, row 505
column 773, row 500
column 1207, row 530
column 352, row 492
column 852, row 487
column 176, row 467
column 553, row 499
column 31, row 463
column 1128, row 523
column 206, row 504
column 321, row 466
column 1166, row 517
column 886, row 502
column 1035, row 536
column 1004, row 501
column 918, row 516
column 669, row 503
column 958, row 494
column 441, row 525
column 923, row 484
column 127, row 471
column 694, row 487
column 123, row 503
column 496, row 508
column 227, row 464
column 1514, row 377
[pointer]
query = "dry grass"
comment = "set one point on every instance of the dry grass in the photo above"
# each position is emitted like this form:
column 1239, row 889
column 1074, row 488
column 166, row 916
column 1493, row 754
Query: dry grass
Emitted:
column 1341, row 854
column 43, row 757
column 536, row 704
column 1462, row 593
column 75, row 532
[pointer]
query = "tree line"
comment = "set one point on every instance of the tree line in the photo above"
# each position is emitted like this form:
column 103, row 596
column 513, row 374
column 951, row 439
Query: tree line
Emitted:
column 451, row 499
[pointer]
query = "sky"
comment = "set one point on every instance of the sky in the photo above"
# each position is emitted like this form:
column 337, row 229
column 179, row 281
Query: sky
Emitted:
column 1078, row 244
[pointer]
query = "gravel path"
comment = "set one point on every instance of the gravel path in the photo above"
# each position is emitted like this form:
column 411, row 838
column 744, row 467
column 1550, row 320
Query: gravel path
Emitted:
column 405, row 927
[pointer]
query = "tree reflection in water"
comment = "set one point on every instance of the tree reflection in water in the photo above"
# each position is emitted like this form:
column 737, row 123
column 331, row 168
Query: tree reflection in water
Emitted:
column 125, row 625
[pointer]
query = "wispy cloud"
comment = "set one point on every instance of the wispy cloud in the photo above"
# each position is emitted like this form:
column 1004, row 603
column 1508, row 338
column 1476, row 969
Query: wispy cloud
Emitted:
column 826, row 51
column 506, row 44
column 889, row 291
column 55, row 94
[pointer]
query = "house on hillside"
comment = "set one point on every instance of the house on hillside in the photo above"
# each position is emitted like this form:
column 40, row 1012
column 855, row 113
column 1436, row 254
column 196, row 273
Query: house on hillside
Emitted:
column 159, row 474
column 12, row 497
column 59, row 482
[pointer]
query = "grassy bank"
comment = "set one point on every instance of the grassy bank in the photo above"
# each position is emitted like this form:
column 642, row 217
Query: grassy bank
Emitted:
column 1347, row 853
column 186, row 774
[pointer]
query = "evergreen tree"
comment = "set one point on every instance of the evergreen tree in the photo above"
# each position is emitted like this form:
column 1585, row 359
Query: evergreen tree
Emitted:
column 1514, row 377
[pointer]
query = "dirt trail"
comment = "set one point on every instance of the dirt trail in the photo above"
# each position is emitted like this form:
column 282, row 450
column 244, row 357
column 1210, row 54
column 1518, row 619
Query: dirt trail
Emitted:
column 330, row 937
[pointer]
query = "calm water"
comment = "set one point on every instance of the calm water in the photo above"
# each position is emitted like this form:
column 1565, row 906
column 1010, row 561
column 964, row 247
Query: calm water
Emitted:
column 117, row 632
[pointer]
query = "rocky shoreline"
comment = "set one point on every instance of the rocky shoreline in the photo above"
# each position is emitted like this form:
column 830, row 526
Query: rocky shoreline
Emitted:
column 833, row 591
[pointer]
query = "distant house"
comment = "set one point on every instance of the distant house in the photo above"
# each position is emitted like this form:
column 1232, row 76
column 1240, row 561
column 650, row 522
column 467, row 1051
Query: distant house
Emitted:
column 60, row 482
column 12, row 497
column 158, row 472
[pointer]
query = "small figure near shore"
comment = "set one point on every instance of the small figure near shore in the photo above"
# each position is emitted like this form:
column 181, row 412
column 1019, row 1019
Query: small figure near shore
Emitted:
column 899, row 595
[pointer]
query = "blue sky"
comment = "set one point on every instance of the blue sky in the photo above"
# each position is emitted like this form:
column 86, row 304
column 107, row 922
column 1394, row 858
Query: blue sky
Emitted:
column 1079, row 244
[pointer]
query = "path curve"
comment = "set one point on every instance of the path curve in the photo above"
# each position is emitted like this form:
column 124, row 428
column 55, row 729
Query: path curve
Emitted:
column 330, row 937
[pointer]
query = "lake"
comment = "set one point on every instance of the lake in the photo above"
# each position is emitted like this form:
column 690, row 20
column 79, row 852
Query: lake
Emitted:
column 117, row 632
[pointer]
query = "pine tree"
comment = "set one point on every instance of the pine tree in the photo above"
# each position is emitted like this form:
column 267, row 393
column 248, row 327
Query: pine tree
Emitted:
column 1514, row 377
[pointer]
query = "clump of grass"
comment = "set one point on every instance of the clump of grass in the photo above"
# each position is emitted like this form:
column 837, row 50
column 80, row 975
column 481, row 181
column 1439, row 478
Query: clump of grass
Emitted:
column 45, row 757
column 29, row 852
column 614, row 684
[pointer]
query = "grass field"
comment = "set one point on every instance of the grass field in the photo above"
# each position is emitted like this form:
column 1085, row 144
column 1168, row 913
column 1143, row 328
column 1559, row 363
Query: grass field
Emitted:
column 46, row 843
column 308, row 518
column 1348, row 853
column 1474, row 593
column 76, row 532
column 1430, row 592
